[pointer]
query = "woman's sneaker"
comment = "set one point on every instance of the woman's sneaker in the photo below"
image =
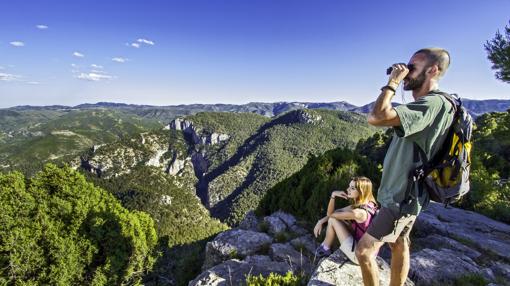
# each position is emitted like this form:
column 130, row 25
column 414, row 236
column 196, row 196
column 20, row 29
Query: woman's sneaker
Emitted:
column 321, row 252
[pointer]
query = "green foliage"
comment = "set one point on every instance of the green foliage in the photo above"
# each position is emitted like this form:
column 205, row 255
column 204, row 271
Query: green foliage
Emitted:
column 279, row 149
column 472, row 279
column 498, row 50
column 489, row 194
column 37, row 137
column 182, row 222
column 492, row 142
column 58, row 229
column 275, row 279
column 306, row 193
column 178, row 213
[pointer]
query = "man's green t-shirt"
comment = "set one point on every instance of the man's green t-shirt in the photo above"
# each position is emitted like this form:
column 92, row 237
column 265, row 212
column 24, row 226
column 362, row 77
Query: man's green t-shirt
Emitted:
column 424, row 122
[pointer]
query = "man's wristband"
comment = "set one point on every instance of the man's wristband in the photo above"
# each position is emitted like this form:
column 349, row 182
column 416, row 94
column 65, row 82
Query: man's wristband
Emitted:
column 389, row 87
column 332, row 198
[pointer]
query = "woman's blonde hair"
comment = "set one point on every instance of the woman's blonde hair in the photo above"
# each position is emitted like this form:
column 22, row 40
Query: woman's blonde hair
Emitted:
column 364, row 187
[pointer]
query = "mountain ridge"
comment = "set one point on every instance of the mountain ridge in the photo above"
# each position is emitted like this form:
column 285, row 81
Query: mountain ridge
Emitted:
column 268, row 109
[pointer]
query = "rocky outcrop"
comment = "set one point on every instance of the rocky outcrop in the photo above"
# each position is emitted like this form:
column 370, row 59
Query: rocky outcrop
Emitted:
column 236, row 243
column 338, row 270
column 197, row 135
column 448, row 245
column 451, row 243
column 236, row 253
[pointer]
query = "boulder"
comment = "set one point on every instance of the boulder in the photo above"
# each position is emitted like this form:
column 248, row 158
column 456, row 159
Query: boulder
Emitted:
column 275, row 225
column 250, row 222
column 286, row 253
column 306, row 243
column 502, row 270
column 286, row 218
column 470, row 228
column 235, row 243
column 441, row 266
column 435, row 241
column 234, row 271
column 339, row 271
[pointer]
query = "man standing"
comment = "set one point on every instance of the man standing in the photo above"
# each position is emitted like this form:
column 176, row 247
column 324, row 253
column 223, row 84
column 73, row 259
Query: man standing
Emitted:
column 422, row 124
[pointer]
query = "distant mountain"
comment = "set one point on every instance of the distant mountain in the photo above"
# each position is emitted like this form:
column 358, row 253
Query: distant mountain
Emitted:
column 34, row 137
column 168, row 113
column 479, row 107
column 474, row 107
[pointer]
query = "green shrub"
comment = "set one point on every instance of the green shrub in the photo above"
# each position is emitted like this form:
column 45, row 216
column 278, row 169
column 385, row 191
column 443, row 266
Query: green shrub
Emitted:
column 470, row 280
column 58, row 229
column 306, row 193
column 274, row 279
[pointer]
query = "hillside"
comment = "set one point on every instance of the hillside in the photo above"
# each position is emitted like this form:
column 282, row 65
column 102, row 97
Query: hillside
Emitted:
column 28, row 139
column 234, row 157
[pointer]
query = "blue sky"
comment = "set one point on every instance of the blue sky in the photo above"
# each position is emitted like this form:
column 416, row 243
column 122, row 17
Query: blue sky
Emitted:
column 237, row 51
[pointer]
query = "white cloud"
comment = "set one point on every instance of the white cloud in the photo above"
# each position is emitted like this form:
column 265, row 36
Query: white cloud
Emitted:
column 135, row 45
column 73, row 65
column 96, row 66
column 93, row 76
column 78, row 55
column 33, row 82
column 145, row 41
column 120, row 60
column 41, row 27
column 17, row 44
column 8, row 77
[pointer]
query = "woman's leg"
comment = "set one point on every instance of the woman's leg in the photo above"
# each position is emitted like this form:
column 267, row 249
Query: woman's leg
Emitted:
column 335, row 228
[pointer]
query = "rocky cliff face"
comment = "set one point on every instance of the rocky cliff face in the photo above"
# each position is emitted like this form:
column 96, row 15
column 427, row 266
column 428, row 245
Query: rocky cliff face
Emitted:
column 197, row 135
column 448, row 245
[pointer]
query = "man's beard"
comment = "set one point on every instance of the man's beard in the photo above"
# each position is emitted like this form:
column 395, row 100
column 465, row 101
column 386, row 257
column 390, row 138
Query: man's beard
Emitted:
column 415, row 83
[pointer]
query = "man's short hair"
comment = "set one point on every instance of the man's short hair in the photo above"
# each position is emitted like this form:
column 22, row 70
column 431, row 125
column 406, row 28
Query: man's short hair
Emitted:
column 437, row 56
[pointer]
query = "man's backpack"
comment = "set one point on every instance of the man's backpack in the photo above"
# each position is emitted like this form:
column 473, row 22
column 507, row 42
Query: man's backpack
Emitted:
column 446, row 176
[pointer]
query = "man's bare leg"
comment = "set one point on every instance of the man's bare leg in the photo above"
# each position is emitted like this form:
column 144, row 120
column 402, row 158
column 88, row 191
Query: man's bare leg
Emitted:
column 399, row 261
column 365, row 252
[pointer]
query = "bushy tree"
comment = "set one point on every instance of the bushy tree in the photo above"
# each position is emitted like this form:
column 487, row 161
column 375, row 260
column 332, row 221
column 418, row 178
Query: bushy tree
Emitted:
column 58, row 229
column 498, row 50
column 306, row 193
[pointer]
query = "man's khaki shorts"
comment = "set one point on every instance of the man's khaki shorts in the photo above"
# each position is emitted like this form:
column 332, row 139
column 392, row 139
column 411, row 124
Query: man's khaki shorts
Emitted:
column 387, row 226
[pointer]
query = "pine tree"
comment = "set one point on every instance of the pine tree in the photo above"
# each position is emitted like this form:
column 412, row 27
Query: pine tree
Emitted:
column 498, row 50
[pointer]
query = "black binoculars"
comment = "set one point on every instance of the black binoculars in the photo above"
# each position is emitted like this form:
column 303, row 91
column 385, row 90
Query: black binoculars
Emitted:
column 410, row 67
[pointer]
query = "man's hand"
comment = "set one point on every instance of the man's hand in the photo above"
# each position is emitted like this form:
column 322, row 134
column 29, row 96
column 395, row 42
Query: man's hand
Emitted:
column 398, row 73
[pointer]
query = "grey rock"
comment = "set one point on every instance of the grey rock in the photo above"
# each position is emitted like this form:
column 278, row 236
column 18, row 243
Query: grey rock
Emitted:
column 474, row 229
column 286, row 253
column 258, row 259
column 288, row 219
column 306, row 242
column 502, row 270
column 235, row 243
column 299, row 230
column 435, row 241
column 234, row 272
column 250, row 222
column 441, row 266
column 275, row 225
column 339, row 271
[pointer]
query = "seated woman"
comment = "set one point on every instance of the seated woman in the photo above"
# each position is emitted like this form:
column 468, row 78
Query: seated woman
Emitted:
column 349, row 223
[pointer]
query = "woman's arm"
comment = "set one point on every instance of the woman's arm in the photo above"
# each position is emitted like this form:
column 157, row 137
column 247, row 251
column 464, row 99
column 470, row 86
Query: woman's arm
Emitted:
column 358, row 215
column 331, row 204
